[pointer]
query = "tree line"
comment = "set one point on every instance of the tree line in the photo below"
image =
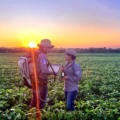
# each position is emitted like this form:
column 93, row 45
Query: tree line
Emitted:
column 62, row 50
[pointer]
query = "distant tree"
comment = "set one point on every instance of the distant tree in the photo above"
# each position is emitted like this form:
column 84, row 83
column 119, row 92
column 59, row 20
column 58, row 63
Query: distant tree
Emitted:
column 62, row 50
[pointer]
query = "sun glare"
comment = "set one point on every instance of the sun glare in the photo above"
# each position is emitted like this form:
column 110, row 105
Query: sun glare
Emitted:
column 32, row 45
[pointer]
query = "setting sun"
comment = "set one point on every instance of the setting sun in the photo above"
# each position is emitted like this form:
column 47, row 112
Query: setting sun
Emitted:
column 32, row 44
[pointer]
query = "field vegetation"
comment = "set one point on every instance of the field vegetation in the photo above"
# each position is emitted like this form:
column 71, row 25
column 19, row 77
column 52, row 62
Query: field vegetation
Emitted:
column 98, row 97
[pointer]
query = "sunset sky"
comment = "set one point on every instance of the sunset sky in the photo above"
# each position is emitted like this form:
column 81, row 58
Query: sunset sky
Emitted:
column 67, row 23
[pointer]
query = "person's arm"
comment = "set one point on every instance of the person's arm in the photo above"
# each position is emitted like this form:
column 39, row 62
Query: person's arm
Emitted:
column 43, row 65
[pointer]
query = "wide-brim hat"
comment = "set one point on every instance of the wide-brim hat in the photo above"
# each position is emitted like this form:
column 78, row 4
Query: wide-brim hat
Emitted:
column 45, row 43
column 71, row 51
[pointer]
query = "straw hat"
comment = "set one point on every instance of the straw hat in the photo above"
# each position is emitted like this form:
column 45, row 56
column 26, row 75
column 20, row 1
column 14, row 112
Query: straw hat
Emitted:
column 71, row 51
column 46, row 43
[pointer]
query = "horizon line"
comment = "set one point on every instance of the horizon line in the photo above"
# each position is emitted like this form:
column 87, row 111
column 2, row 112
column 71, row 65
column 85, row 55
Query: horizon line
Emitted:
column 67, row 47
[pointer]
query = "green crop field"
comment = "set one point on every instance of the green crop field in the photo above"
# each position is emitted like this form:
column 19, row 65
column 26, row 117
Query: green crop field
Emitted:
column 98, row 97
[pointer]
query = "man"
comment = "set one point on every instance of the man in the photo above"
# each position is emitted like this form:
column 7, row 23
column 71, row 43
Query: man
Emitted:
column 42, row 72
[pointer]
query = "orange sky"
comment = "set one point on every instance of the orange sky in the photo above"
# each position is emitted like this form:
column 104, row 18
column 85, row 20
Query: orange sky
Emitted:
column 66, row 36
column 95, row 25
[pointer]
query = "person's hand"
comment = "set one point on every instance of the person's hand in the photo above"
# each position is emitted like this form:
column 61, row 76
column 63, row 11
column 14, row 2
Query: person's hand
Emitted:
column 62, row 68
column 65, row 77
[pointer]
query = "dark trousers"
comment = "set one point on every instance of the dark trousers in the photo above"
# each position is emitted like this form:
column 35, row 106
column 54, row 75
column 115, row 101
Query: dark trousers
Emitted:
column 43, row 90
column 70, row 97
